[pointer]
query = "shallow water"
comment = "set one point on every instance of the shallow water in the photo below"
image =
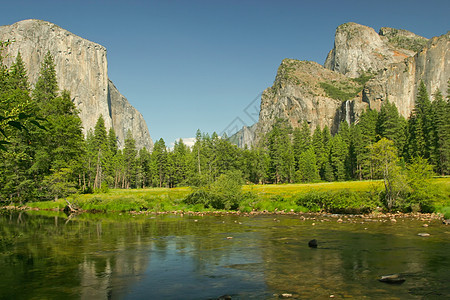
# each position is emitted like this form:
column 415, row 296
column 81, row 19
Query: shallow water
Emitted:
column 205, row 257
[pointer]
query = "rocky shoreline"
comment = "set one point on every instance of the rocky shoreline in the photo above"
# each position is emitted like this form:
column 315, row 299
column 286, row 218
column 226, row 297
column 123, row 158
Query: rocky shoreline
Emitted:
column 392, row 217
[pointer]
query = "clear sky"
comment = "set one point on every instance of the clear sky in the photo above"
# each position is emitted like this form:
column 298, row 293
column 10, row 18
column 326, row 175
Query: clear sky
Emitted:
column 188, row 65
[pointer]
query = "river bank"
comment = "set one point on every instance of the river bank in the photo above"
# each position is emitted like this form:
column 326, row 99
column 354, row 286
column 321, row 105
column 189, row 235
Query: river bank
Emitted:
column 348, row 198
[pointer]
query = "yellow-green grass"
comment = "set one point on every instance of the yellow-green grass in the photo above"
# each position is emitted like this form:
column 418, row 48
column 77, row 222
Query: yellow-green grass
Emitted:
column 287, row 190
column 268, row 197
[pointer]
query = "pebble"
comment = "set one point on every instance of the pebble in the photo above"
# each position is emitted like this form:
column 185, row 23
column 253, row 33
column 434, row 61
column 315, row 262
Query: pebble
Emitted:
column 424, row 234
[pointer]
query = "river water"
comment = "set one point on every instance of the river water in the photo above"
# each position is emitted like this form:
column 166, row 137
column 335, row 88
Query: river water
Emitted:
column 114, row 256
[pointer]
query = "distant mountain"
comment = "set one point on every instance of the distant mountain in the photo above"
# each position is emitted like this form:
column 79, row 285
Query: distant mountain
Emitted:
column 82, row 69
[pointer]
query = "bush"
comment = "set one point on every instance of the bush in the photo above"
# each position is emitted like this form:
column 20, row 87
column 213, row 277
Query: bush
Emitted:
column 341, row 201
column 224, row 193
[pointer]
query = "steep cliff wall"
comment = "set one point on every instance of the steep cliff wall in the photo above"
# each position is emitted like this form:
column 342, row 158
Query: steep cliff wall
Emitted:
column 399, row 82
column 358, row 49
column 125, row 117
column 305, row 91
column 81, row 68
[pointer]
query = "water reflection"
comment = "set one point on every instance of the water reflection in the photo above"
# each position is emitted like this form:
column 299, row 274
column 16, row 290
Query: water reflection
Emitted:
column 172, row 257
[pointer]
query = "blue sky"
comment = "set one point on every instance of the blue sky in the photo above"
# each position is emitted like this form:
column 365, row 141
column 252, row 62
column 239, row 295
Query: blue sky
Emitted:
column 188, row 65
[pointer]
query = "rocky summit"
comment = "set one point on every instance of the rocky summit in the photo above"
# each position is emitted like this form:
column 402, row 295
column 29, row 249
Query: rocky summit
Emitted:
column 82, row 69
column 364, row 69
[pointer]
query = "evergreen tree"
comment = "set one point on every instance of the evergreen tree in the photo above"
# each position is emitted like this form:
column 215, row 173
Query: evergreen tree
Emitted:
column 319, row 150
column 280, row 152
column 338, row 155
column 18, row 78
column 364, row 136
column 301, row 141
column 391, row 125
column 100, row 151
column 46, row 88
column 129, row 160
column 420, row 127
column 159, row 163
column 441, row 134
column 307, row 167
column 144, row 162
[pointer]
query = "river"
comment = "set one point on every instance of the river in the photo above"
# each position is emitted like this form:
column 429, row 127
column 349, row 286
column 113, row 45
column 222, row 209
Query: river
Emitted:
column 46, row 255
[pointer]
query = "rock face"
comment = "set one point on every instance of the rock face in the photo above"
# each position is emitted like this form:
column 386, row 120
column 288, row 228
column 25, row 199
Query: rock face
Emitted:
column 245, row 136
column 125, row 117
column 399, row 82
column 302, row 91
column 82, row 69
column 364, row 69
column 358, row 49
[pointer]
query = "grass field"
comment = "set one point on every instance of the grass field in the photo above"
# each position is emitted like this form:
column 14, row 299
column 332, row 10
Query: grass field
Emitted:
column 338, row 196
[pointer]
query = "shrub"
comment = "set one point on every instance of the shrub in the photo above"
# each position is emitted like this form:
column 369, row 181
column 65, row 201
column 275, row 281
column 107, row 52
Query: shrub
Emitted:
column 224, row 193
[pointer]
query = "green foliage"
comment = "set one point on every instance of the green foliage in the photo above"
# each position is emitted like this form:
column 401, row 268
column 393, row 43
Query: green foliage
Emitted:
column 386, row 165
column 422, row 194
column 224, row 193
column 339, row 201
column 337, row 93
column 363, row 78
column 409, row 43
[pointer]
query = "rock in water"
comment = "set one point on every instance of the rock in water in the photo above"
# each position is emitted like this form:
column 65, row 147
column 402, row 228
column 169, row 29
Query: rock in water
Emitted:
column 312, row 243
column 394, row 278
column 423, row 234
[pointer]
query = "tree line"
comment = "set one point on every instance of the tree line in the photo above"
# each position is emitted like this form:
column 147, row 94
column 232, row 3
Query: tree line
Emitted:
column 45, row 155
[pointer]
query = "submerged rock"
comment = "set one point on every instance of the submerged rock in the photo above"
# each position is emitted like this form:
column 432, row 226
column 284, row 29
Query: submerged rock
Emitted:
column 394, row 278
column 423, row 234
column 312, row 243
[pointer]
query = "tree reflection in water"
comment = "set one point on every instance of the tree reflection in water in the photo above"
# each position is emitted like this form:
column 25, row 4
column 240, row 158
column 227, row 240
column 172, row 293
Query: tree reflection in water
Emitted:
column 171, row 257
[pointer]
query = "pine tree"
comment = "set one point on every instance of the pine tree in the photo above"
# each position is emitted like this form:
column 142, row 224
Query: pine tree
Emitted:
column 144, row 161
column 420, row 127
column 391, row 125
column 441, row 134
column 181, row 162
column 338, row 156
column 301, row 140
column 46, row 88
column 159, row 163
column 18, row 78
column 307, row 167
column 280, row 152
column 129, row 160
column 365, row 136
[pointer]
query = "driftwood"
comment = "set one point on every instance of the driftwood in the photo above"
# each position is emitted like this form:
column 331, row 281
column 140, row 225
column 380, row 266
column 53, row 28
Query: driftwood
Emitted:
column 70, row 207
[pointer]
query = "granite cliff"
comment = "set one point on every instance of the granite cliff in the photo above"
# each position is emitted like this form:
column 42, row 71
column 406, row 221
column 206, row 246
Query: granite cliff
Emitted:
column 362, row 70
column 82, row 69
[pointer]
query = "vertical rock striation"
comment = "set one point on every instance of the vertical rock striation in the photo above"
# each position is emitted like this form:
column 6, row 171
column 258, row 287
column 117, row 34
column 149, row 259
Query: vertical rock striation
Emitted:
column 399, row 82
column 82, row 69
column 358, row 49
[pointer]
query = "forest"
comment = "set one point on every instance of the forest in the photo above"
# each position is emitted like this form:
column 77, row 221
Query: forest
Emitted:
column 44, row 154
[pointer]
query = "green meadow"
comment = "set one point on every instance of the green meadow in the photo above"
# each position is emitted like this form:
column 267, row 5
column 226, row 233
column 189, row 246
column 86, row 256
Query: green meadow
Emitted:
column 336, row 197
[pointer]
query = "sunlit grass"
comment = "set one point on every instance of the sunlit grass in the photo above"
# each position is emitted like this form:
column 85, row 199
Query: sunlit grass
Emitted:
column 259, row 197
